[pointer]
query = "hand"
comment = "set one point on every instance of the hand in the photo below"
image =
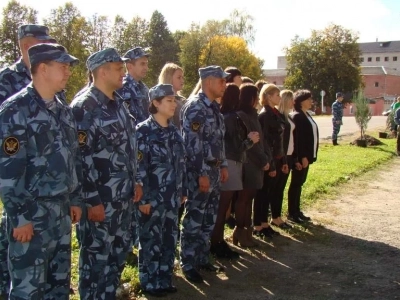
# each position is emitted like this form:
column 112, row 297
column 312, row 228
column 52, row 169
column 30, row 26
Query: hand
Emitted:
column 298, row 166
column 138, row 193
column 304, row 162
column 266, row 167
column 254, row 136
column 204, row 184
column 145, row 209
column 183, row 199
column 285, row 169
column 272, row 173
column 96, row 213
column 24, row 233
column 224, row 175
column 76, row 214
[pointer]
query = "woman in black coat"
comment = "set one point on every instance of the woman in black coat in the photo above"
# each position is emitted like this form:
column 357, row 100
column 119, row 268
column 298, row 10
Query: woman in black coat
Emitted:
column 306, row 147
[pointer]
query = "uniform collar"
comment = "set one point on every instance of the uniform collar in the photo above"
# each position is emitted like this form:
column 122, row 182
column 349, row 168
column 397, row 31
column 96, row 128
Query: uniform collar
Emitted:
column 100, row 96
column 155, row 123
column 39, row 100
column 130, row 79
column 21, row 67
column 206, row 101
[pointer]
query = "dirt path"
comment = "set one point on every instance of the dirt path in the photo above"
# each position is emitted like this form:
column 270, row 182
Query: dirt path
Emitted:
column 350, row 251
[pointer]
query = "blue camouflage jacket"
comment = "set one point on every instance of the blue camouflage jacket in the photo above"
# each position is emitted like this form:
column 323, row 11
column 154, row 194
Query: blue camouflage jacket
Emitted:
column 337, row 111
column 136, row 94
column 203, row 131
column 40, row 156
column 13, row 79
column 161, row 163
column 108, row 145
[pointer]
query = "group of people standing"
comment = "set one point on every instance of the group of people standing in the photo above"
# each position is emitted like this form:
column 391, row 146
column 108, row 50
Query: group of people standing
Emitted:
column 126, row 163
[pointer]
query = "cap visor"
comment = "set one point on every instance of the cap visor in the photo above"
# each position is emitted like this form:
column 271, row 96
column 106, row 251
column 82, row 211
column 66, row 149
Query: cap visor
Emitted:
column 68, row 59
column 46, row 38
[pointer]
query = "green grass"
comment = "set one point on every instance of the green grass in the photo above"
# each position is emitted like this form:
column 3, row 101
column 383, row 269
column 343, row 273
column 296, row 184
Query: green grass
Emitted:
column 335, row 165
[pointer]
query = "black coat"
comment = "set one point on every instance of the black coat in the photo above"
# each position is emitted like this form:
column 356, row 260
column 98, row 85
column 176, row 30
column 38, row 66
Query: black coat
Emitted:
column 273, row 127
column 257, row 158
column 304, row 142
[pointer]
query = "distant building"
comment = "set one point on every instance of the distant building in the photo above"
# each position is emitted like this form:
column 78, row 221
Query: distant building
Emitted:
column 380, row 69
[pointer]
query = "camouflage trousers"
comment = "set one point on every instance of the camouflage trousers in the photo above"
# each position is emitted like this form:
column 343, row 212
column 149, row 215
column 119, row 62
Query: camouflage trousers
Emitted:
column 41, row 268
column 336, row 129
column 134, row 231
column 158, row 233
column 4, row 274
column 104, row 247
column 198, row 222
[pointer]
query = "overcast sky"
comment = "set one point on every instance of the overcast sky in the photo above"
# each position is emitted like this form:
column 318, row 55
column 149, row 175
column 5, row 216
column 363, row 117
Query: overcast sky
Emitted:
column 276, row 21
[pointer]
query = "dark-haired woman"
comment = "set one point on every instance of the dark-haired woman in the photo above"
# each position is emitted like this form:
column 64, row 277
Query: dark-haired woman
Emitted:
column 307, row 142
column 237, row 141
column 253, row 169
column 161, row 167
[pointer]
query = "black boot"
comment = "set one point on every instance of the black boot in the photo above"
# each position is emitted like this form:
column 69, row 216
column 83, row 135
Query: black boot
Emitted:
column 334, row 142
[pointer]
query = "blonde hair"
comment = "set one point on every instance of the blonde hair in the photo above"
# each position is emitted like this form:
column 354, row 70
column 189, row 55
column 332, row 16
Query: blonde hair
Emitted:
column 167, row 72
column 286, row 97
column 267, row 90
column 196, row 89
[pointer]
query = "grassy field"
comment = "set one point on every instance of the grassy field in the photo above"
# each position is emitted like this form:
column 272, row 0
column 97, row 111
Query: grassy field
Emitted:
column 334, row 166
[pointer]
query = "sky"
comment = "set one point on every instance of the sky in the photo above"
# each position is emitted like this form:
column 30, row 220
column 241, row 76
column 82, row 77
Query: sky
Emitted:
column 276, row 22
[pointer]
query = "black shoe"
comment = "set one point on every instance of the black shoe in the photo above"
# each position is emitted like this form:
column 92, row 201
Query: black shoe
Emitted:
column 295, row 219
column 171, row 289
column 222, row 250
column 264, row 232
column 231, row 222
column 283, row 225
column 273, row 232
column 156, row 292
column 193, row 276
column 335, row 143
column 209, row 267
column 303, row 217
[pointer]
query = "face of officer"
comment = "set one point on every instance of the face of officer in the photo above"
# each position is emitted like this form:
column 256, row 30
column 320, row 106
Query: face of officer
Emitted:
column 215, row 86
column 55, row 74
column 138, row 68
column 177, row 80
column 113, row 74
column 165, row 107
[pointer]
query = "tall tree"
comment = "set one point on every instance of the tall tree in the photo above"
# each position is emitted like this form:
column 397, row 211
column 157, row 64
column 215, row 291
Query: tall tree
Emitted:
column 162, row 46
column 99, row 37
column 14, row 14
column 328, row 60
column 117, row 36
column 240, row 24
column 71, row 30
column 232, row 51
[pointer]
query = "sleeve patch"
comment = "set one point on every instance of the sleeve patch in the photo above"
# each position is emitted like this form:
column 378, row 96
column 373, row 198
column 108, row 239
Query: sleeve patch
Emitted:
column 11, row 146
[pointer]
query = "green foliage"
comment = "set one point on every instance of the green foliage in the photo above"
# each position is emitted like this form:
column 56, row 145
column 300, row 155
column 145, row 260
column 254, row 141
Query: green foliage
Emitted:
column 99, row 36
column 163, row 47
column 328, row 60
column 14, row 15
column 361, row 112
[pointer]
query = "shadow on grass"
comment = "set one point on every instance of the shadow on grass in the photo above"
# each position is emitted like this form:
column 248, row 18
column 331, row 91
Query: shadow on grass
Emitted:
column 311, row 262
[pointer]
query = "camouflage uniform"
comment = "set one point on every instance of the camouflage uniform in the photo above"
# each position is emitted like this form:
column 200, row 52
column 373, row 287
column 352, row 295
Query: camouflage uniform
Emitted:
column 161, row 169
column 203, row 132
column 108, row 146
column 40, row 171
column 337, row 115
column 13, row 79
column 136, row 93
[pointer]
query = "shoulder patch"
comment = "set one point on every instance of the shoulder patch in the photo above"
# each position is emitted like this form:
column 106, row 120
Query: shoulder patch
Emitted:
column 11, row 145
column 139, row 156
column 82, row 137
column 195, row 126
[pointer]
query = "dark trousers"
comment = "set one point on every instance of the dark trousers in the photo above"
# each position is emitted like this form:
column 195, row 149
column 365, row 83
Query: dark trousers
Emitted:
column 224, row 202
column 398, row 140
column 276, row 192
column 294, row 194
column 243, row 207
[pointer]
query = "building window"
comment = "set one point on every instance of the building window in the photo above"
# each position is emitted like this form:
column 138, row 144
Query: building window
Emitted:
column 394, row 58
column 376, row 84
column 387, row 58
column 369, row 58
column 378, row 59
column 361, row 59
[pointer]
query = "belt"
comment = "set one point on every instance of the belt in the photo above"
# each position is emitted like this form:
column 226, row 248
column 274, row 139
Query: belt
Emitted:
column 214, row 163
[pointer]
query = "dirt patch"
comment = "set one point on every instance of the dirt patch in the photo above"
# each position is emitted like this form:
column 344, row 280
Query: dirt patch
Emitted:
column 349, row 251
column 370, row 140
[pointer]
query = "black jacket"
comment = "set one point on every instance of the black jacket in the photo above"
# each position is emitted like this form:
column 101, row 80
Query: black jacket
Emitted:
column 236, row 140
column 304, row 142
column 273, row 127
column 286, row 139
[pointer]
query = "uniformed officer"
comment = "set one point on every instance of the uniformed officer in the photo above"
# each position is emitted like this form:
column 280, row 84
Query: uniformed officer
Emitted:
column 161, row 168
column 337, row 115
column 13, row 79
column 40, row 172
column 203, row 131
column 108, row 146
column 134, row 91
